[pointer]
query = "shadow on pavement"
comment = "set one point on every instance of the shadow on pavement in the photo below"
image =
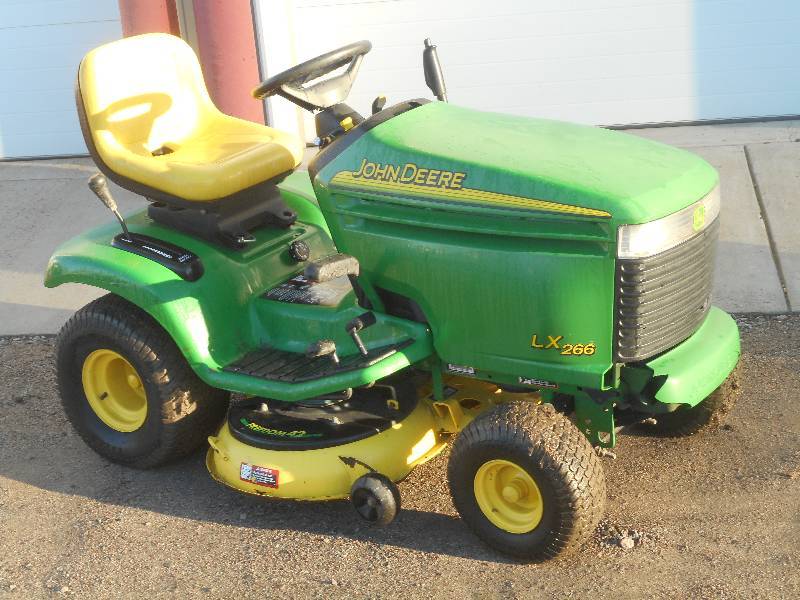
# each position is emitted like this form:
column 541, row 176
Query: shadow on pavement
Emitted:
column 44, row 452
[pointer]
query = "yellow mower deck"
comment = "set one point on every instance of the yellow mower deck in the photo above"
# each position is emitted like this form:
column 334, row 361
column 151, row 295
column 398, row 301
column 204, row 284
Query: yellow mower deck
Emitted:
column 328, row 473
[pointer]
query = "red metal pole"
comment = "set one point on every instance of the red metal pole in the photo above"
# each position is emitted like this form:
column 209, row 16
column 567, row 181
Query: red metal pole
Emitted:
column 227, row 45
column 148, row 16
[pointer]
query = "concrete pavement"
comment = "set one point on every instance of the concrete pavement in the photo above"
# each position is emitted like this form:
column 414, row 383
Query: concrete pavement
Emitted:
column 43, row 203
column 758, row 262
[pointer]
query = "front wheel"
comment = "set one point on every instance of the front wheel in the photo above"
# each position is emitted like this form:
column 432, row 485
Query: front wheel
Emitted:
column 127, row 389
column 527, row 481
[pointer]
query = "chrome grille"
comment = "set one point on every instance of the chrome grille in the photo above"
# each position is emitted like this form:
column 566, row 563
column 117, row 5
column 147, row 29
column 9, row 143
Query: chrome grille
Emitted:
column 661, row 300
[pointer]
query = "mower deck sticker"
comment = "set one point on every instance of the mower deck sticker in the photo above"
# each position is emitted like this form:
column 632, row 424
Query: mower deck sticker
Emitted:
column 259, row 475
column 271, row 432
column 437, row 184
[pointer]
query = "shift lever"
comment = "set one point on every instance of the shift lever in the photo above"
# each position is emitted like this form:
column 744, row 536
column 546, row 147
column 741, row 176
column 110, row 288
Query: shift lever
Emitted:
column 99, row 185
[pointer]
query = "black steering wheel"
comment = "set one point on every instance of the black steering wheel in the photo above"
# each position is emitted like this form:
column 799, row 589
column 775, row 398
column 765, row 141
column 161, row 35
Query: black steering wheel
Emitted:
column 291, row 84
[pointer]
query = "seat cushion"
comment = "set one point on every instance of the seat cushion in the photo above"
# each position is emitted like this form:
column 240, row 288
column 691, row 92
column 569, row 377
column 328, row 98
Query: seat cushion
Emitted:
column 151, row 121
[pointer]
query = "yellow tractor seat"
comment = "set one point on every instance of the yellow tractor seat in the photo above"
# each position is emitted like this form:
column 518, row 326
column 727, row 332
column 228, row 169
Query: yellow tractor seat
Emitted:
column 150, row 124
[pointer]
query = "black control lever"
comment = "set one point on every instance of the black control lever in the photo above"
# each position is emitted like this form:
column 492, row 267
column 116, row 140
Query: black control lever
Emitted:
column 328, row 400
column 361, row 322
column 323, row 348
column 99, row 185
column 434, row 78
column 378, row 104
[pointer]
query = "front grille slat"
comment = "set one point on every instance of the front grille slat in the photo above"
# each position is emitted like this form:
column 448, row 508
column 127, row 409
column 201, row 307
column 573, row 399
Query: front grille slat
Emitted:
column 663, row 332
column 647, row 306
column 674, row 279
column 661, row 300
column 666, row 264
column 664, row 318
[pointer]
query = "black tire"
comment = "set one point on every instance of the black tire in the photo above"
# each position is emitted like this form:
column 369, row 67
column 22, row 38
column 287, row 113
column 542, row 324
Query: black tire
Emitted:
column 375, row 498
column 558, row 457
column 181, row 410
column 707, row 415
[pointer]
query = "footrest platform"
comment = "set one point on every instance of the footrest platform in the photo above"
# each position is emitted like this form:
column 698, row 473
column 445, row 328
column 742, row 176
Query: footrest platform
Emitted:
column 293, row 367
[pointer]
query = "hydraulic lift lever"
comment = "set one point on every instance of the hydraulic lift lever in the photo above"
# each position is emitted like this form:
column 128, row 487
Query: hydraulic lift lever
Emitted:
column 361, row 322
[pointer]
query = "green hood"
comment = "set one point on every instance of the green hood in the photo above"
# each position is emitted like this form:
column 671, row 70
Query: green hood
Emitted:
column 633, row 179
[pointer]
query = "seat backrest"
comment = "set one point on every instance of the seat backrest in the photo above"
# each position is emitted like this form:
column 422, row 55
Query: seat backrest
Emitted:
column 141, row 93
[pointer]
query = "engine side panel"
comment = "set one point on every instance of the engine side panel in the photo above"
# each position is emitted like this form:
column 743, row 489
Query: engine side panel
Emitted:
column 514, row 290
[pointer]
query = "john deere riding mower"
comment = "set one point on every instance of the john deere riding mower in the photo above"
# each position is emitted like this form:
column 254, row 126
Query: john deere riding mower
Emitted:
column 521, row 287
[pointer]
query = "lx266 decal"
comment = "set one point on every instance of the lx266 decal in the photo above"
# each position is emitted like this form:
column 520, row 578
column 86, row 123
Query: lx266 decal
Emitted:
column 555, row 342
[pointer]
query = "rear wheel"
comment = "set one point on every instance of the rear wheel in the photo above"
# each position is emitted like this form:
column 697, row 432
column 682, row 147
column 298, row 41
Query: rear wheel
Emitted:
column 705, row 416
column 127, row 389
column 527, row 481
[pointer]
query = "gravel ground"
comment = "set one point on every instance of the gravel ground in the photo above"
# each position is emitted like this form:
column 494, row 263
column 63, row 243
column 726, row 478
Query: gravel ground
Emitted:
column 710, row 516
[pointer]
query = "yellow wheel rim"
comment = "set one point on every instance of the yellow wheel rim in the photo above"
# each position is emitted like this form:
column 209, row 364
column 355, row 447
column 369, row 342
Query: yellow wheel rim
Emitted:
column 508, row 496
column 114, row 390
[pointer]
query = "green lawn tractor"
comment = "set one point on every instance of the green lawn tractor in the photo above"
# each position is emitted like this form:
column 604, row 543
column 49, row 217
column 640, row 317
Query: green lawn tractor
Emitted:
column 521, row 287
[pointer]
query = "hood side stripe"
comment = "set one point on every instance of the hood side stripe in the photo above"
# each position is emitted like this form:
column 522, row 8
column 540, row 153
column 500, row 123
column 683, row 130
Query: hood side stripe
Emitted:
column 345, row 179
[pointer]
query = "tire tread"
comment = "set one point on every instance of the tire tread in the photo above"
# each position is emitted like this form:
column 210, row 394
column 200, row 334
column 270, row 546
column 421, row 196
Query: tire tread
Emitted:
column 190, row 409
column 556, row 446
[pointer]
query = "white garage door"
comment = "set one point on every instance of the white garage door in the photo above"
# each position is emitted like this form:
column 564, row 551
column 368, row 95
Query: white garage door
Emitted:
column 592, row 61
column 41, row 44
